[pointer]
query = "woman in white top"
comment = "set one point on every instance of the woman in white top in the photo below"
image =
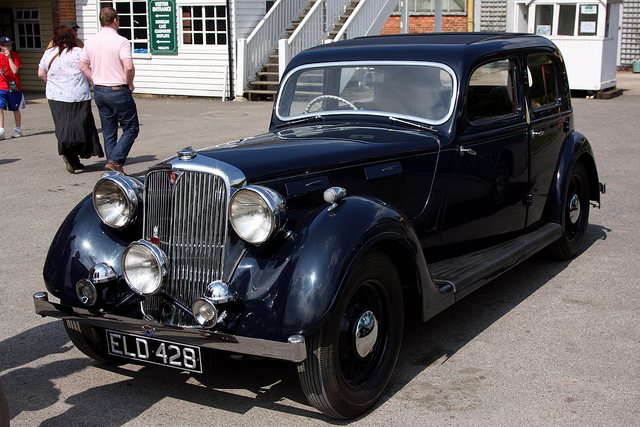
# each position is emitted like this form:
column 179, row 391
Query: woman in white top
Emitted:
column 69, row 100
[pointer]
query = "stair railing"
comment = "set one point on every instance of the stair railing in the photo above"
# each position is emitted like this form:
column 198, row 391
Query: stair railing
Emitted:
column 368, row 18
column 312, row 31
column 255, row 49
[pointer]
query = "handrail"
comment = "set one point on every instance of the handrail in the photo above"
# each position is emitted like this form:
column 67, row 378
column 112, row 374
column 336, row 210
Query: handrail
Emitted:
column 333, row 10
column 311, row 30
column 368, row 18
column 264, row 38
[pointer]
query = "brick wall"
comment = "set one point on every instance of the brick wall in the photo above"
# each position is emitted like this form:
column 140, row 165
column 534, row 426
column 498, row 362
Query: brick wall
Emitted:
column 426, row 24
column 63, row 10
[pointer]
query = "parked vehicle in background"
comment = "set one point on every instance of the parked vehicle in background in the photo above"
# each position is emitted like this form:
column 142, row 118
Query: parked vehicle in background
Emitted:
column 396, row 168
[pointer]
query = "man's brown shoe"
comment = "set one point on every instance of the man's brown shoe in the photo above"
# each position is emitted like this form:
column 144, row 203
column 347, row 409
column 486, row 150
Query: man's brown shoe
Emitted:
column 114, row 167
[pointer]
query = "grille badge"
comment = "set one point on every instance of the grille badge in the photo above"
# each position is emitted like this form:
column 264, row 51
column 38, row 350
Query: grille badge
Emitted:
column 155, row 237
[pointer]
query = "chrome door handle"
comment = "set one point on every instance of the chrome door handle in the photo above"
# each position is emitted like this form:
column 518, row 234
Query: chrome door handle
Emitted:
column 464, row 151
column 538, row 133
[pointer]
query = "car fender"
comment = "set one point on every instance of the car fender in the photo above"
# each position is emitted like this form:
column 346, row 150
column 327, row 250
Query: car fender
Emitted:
column 295, row 290
column 82, row 241
column 576, row 148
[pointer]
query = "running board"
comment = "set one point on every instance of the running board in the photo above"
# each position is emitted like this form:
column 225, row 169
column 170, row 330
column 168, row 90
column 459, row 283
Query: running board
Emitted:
column 467, row 273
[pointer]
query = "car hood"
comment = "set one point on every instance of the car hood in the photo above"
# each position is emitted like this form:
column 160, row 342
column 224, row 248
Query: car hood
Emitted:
column 319, row 148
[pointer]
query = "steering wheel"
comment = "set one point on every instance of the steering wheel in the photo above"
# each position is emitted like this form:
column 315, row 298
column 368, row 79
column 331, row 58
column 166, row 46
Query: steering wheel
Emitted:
column 321, row 97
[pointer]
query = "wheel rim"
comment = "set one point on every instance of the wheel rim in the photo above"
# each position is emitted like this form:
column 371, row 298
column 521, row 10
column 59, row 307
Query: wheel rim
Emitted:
column 366, row 333
column 574, row 211
column 574, row 208
column 363, row 335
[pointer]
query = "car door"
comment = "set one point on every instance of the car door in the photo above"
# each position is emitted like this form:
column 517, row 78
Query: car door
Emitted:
column 549, row 110
column 490, row 168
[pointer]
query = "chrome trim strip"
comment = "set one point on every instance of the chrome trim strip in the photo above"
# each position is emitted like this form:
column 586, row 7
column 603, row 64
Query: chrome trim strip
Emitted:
column 294, row 351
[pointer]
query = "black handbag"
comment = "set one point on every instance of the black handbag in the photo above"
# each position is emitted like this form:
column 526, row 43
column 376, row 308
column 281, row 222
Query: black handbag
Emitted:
column 13, row 85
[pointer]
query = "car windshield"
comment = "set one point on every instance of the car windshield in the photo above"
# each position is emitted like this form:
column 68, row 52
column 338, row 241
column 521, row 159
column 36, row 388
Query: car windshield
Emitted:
column 419, row 91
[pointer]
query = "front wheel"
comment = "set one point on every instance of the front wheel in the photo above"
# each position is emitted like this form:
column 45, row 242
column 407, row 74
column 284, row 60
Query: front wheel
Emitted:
column 576, row 215
column 351, row 358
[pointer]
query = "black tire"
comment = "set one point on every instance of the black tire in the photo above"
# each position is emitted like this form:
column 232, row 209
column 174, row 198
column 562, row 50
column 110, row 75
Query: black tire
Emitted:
column 576, row 215
column 91, row 341
column 343, row 376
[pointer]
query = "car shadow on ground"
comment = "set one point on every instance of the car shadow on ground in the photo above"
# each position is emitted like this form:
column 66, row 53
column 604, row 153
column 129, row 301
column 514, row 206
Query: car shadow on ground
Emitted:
column 263, row 383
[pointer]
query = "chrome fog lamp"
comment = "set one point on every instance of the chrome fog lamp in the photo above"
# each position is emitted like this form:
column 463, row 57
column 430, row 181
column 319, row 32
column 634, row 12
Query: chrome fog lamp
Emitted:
column 144, row 266
column 88, row 289
column 257, row 213
column 86, row 292
column 204, row 309
column 102, row 273
column 205, row 313
column 116, row 199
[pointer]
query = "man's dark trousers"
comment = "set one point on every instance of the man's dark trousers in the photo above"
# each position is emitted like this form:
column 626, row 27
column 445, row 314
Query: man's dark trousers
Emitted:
column 116, row 106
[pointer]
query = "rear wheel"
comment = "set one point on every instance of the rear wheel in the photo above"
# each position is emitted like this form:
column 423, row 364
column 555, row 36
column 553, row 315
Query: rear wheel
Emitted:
column 91, row 341
column 576, row 215
column 350, row 360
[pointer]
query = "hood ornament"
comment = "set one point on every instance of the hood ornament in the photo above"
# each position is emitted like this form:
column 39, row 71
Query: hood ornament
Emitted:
column 187, row 153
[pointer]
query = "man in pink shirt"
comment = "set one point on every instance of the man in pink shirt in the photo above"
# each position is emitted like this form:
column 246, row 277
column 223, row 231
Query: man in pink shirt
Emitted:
column 107, row 64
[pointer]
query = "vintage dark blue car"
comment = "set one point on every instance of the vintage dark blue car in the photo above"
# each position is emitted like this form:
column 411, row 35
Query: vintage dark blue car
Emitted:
column 396, row 168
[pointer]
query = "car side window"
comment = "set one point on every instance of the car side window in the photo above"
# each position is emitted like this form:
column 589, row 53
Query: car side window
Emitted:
column 543, row 81
column 491, row 92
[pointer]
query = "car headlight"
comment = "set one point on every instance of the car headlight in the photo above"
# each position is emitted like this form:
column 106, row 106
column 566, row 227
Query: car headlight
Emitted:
column 144, row 266
column 116, row 199
column 257, row 213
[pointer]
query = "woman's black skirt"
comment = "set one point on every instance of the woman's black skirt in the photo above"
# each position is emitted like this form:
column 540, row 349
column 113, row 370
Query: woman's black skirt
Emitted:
column 75, row 129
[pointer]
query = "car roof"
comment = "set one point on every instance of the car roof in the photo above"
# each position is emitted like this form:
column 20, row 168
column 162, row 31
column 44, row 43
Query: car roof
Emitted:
column 455, row 49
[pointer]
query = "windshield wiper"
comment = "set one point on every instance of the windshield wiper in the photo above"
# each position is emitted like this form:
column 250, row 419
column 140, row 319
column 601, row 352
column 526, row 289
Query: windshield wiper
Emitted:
column 413, row 124
column 298, row 121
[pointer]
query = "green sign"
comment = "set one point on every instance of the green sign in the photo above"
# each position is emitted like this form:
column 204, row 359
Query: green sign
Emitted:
column 162, row 27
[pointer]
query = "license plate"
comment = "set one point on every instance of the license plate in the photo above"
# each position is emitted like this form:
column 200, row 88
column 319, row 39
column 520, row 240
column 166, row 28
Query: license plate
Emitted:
column 151, row 350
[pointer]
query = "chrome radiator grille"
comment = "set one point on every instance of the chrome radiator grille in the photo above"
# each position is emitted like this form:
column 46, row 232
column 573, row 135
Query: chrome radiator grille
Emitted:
column 186, row 212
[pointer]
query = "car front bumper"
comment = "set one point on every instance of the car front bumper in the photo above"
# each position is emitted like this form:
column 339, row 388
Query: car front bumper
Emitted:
column 294, row 350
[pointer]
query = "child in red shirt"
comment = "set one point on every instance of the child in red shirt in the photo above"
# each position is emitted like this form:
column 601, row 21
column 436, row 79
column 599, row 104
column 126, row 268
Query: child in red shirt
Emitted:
column 11, row 97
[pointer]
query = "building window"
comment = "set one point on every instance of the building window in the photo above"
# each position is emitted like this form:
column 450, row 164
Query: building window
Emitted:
column 544, row 19
column 133, row 22
column 27, row 25
column 572, row 19
column 567, row 20
column 429, row 6
column 204, row 25
column 588, row 20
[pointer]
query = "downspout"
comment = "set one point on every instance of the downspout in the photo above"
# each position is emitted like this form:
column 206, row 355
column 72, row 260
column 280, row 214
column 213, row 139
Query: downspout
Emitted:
column 470, row 13
column 230, row 48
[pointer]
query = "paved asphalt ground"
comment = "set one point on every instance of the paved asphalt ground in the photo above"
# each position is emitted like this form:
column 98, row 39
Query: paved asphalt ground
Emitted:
column 547, row 344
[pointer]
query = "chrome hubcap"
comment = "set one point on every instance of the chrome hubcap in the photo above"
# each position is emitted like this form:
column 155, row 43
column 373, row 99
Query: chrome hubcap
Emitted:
column 574, row 208
column 366, row 333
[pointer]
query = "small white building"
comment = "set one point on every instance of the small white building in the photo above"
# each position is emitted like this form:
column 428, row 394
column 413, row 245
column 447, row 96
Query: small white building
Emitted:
column 586, row 32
